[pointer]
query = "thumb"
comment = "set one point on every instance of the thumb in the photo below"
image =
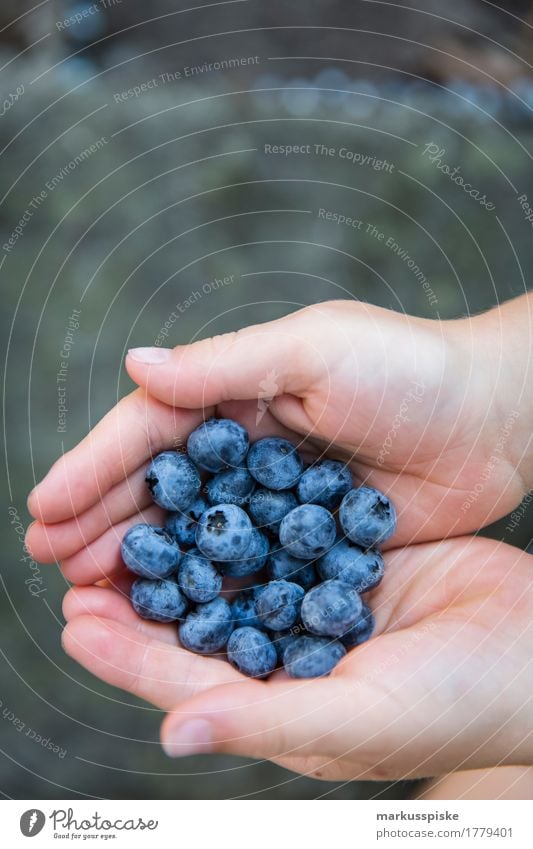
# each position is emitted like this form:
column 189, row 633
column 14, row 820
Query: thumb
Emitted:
column 261, row 361
column 254, row 719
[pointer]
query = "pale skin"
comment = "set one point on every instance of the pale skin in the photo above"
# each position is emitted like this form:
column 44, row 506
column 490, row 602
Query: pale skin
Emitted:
column 421, row 410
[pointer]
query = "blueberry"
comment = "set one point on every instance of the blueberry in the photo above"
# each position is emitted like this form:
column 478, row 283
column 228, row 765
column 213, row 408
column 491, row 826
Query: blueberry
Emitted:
column 173, row 480
column 251, row 652
column 198, row 578
column 361, row 631
column 312, row 657
column 243, row 610
column 224, row 532
column 275, row 463
column 325, row 483
column 268, row 507
column 363, row 570
column 233, row 486
column 182, row 525
column 307, row 531
column 283, row 566
column 254, row 559
column 161, row 600
column 206, row 629
column 150, row 552
column 281, row 639
column 367, row 516
column 330, row 609
column 218, row 444
column 278, row 604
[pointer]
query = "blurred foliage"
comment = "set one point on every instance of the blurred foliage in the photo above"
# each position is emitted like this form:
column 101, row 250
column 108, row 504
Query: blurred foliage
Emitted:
column 181, row 192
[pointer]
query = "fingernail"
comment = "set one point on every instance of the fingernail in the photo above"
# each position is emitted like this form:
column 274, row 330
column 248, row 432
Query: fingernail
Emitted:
column 31, row 497
column 150, row 356
column 40, row 483
column 192, row 738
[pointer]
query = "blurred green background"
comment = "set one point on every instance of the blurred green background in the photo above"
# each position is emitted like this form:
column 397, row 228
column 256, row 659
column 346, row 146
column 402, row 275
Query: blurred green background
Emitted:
column 135, row 183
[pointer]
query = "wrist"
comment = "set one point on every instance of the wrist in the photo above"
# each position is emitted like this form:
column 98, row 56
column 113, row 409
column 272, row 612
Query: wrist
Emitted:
column 497, row 385
column 505, row 337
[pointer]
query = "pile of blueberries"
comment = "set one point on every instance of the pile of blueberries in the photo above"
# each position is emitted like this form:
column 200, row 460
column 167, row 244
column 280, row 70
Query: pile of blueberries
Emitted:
column 303, row 540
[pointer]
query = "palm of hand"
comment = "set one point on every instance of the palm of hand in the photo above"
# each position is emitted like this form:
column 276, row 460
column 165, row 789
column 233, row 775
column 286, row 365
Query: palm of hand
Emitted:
column 432, row 691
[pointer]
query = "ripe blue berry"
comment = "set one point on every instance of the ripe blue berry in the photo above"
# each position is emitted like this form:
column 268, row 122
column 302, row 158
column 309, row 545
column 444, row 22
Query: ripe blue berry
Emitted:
column 363, row 570
column 218, row 444
column 173, row 480
column 150, row 552
column 206, row 629
column 275, row 463
column 182, row 525
column 312, row 657
column 160, row 600
column 251, row 652
column 224, row 532
column 325, row 483
column 233, row 486
column 280, row 641
column 278, row 604
column 308, row 531
column 268, row 507
column 330, row 609
column 254, row 559
column 198, row 578
column 361, row 631
column 283, row 566
column 243, row 610
column 367, row 516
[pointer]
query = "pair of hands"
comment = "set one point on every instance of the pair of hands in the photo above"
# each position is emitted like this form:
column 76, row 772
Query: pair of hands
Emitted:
column 444, row 683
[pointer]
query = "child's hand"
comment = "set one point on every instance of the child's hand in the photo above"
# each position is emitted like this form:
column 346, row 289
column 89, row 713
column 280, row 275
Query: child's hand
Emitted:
column 415, row 404
column 411, row 400
column 446, row 683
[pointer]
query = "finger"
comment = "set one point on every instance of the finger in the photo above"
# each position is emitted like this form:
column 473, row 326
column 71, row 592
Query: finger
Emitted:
column 120, row 581
column 115, row 606
column 262, row 361
column 50, row 543
column 261, row 719
column 357, row 714
column 102, row 558
column 127, row 658
column 137, row 428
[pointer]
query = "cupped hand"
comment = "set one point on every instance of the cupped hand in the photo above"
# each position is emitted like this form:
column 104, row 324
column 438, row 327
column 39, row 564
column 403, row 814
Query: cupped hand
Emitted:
column 406, row 401
column 446, row 682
